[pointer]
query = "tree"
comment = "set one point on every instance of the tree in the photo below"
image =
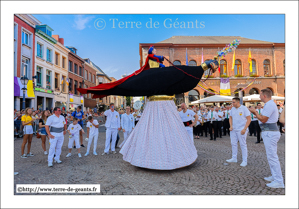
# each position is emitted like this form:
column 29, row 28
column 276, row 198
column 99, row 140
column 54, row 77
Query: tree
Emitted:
column 128, row 101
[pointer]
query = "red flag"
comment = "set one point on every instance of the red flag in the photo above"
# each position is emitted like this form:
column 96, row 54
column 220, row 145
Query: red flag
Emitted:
column 219, row 65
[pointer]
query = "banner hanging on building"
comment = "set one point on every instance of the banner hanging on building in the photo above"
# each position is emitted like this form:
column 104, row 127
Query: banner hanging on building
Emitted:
column 82, row 99
column 71, row 98
column 225, row 87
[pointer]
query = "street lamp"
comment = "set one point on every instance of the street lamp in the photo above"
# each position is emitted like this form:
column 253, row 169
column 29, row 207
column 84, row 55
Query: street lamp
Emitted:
column 24, row 79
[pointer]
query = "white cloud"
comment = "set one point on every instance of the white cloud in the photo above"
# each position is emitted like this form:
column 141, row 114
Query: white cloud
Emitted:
column 81, row 21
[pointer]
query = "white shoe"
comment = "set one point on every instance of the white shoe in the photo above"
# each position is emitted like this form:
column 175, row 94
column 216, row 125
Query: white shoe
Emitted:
column 69, row 155
column 79, row 154
column 58, row 161
column 113, row 152
column 86, row 139
column 50, row 164
column 232, row 160
column 243, row 164
column 105, row 153
column 24, row 156
column 45, row 152
column 275, row 184
column 87, row 153
column 94, row 153
column 30, row 154
column 270, row 178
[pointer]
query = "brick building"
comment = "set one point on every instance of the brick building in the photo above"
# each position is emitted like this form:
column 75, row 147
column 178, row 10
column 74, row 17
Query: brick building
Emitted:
column 89, row 81
column 24, row 56
column 268, row 62
column 75, row 77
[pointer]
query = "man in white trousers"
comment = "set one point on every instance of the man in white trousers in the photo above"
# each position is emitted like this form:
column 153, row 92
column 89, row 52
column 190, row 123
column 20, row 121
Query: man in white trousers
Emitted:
column 187, row 117
column 127, row 124
column 92, row 134
column 113, row 126
column 239, row 121
column 56, row 129
column 271, row 135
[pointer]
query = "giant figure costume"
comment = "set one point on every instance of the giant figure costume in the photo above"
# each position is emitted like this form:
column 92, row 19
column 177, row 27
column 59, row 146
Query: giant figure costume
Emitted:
column 159, row 140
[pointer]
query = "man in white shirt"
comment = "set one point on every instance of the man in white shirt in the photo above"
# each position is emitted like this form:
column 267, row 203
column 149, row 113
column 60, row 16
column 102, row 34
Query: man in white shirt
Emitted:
column 113, row 126
column 226, row 120
column 92, row 134
column 271, row 136
column 212, row 116
column 239, row 121
column 187, row 116
column 56, row 129
column 127, row 124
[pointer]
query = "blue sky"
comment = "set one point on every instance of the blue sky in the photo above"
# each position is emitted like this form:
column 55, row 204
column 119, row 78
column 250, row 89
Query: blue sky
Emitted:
column 115, row 48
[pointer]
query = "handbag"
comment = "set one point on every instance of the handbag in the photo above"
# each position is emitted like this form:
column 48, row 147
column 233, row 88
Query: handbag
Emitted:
column 38, row 135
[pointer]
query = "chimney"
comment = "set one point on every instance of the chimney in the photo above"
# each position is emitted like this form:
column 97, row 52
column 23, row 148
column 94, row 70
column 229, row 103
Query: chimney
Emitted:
column 56, row 37
column 61, row 40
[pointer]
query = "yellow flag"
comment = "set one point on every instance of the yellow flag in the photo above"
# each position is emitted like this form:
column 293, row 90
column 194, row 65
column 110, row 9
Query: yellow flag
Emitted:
column 233, row 67
column 250, row 61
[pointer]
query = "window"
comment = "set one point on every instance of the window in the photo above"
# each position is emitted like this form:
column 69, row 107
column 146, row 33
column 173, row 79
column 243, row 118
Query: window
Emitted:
column 25, row 38
column 71, row 66
column 48, row 79
column 85, row 75
column 223, row 67
column 253, row 67
column 177, row 62
column 253, row 91
column 25, row 67
column 39, row 76
column 76, row 68
column 267, row 70
column 89, row 78
column 49, row 55
column 93, row 78
column 80, row 71
column 238, row 67
column 39, row 51
column 85, row 95
column 49, row 33
column 63, row 84
column 192, row 63
column 56, row 81
column 71, row 85
column 63, row 62
column 284, row 68
column 206, row 71
column 56, row 59
column 75, row 88
column 80, row 86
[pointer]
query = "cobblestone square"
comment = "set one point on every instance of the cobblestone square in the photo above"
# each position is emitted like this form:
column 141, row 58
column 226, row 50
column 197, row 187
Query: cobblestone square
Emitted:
column 207, row 176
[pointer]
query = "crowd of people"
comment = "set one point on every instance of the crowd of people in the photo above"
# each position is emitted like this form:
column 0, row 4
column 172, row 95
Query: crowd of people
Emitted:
column 233, row 119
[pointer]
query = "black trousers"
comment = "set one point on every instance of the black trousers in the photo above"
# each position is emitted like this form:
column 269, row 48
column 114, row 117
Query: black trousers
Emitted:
column 212, row 126
column 280, row 125
column 205, row 128
column 226, row 126
column 219, row 130
column 251, row 128
column 136, row 121
column 258, row 130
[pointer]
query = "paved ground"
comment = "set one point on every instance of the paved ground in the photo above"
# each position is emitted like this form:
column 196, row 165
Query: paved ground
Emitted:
column 207, row 176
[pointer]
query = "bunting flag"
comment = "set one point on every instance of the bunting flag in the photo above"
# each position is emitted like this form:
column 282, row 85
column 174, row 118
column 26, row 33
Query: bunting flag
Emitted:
column 250, row 61
column 186, row 57
column 219, row 65
column 202, row 55
column 225, row 87
column 233, row 67
column 81, row 99
column 71, row 98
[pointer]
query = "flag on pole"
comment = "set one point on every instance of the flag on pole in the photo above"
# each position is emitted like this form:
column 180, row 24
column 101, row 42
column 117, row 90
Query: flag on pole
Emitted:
column 186, row 58
column 67, row 81
column 233, row 67
column 250, row 61
column 71, row 98
column 61, row 79
column 225, row 87
column 202, row 55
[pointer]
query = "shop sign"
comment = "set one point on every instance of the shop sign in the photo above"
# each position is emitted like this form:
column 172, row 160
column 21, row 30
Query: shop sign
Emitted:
column 43, row 90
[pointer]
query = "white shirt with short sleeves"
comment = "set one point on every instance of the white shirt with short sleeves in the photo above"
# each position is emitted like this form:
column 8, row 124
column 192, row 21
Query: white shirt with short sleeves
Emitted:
column 239, row 117
column 92, row 129
column 74, row 129
column 187, row 116
column 54, row 121
column 270, row 110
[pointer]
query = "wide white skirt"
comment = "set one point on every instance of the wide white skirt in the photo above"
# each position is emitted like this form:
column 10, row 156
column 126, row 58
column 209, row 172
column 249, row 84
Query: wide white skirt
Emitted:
column 160, row 140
